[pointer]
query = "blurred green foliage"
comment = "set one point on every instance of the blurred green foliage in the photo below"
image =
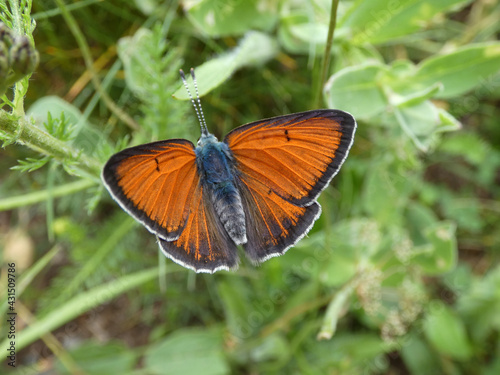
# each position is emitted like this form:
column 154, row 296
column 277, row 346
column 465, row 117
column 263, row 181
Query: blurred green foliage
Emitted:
column 401, row 273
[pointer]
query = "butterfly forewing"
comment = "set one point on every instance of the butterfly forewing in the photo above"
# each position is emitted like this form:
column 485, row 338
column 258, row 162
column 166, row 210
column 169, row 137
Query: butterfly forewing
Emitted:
column 159, row 185
column 155, row 183
column 294, row 155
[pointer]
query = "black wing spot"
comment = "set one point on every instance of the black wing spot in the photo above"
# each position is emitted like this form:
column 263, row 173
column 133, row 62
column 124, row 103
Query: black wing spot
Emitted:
column 286, row 135
column 157, row 164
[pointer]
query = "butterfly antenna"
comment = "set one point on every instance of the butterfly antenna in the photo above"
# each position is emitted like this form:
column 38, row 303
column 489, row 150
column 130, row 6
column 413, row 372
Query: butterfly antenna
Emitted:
column 197, row 106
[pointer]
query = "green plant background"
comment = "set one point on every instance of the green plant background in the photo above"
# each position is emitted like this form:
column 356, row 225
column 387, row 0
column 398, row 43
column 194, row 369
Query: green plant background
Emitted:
column 401, row 273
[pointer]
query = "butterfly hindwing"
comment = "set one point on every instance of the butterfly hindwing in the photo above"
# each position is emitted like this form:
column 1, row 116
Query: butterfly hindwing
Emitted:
column 273, row 224
column 283, row 164
column 203, row 245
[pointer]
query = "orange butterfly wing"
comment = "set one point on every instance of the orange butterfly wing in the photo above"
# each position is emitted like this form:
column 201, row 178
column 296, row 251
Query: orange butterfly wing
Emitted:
column 284, row 163
column 159, row 185
column 204, row 245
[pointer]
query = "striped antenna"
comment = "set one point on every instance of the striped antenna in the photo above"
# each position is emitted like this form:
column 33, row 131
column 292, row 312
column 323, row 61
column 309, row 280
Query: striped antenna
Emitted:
column 197, row 107
column 198, row 97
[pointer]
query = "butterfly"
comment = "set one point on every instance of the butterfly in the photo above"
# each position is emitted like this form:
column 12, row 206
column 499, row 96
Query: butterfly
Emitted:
column 257, row 188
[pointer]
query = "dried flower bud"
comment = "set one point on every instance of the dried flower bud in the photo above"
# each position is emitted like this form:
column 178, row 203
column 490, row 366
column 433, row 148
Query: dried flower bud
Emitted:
column 23, row 56
column 6, row 35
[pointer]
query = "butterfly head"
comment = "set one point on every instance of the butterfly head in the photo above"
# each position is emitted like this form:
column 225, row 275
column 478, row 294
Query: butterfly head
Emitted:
column 207, row 138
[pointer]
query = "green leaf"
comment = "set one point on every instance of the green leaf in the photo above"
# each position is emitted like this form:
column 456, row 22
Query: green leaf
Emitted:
column 188, row 351
column 439, row 255
column 323, row 255
column 418, row 218
column 447, row 122
column 385, row 193
column 493, row 368
column 479, row 303
column 446, row 332
column 100, row 359
column 134, row 51
column 466, row 212
column 233, row 17
column 348, row 349
column 152, row 72
column 30, row 164
column 254, row 49
column 66, row 122
column 360, row 237
column 423, row 122
column 357, row 90
column 415, row 97
column 461, row 70
column 271, row 348
column 53, row 107
column 379, row 21
column 420, row 123
column 298, row 33
column 338, row 269
column 236, row 307
column 468, row 145
column 419, row 357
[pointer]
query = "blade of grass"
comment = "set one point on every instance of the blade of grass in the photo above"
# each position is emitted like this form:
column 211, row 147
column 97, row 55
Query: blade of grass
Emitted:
column 53, row 344
column 34, row 197
column 28, row 276
column 327, row 54
column 96, row 259
column 56, row 11
column 79, row 305
column 89, row 63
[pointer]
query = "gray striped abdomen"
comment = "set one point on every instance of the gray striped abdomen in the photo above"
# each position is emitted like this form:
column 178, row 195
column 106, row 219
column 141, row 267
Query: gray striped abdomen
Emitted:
column 228, row 207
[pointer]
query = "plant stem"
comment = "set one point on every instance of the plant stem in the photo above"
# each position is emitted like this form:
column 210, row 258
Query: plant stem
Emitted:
column 327, row 54
column 55, row 12
column 80, row 303
column 16, row 17
column 87, row 57
column 19, row 28
column 34, row 197
column 22, row 131
column 336, row 309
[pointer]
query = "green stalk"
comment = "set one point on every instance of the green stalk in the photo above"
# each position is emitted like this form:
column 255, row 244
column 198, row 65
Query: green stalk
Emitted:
column 327, row 54
column 34, row 197
column 21, row 87
column 22, row 131
column 336, row 309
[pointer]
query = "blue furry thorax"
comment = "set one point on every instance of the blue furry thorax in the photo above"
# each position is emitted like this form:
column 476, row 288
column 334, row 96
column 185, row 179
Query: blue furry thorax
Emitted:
column 215, row 162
